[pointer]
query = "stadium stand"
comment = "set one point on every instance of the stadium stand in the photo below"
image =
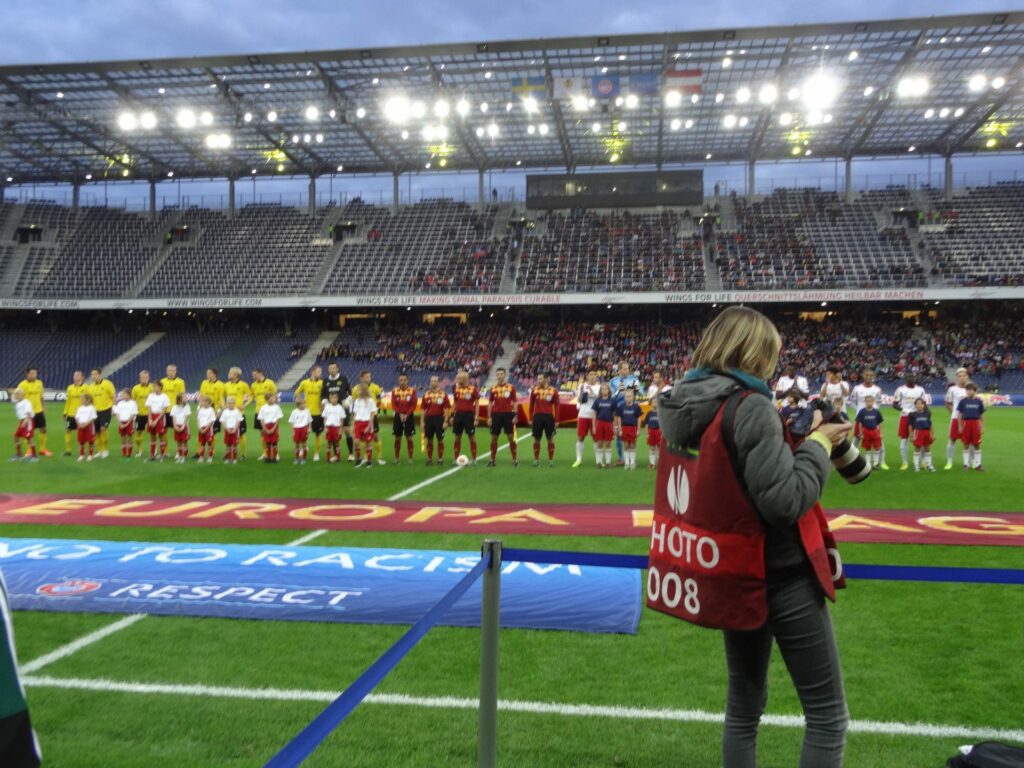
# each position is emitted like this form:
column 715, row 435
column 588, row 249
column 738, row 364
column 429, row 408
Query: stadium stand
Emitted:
column 435, row 246
column 59, row 353
column 590, row 251
column 980, row 238
column 266, row 250
column 803, row 238
column 421, row 351
column 99, row 253
column 569, row 350
column 811, row 239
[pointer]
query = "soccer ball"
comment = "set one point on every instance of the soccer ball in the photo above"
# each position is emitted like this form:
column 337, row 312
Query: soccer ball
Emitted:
column 463, row 460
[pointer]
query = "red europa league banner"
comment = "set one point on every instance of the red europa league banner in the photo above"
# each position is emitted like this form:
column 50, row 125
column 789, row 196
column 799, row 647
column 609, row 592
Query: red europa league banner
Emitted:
column 852, row 525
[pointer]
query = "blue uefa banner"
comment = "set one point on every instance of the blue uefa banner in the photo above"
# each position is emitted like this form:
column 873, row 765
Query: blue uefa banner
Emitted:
column 340, row 584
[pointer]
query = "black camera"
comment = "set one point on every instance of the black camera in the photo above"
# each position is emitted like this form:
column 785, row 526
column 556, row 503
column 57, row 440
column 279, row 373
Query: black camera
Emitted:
column 847, row 460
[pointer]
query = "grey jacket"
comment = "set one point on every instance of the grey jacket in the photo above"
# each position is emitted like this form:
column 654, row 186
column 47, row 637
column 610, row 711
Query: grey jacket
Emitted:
column 782, row 484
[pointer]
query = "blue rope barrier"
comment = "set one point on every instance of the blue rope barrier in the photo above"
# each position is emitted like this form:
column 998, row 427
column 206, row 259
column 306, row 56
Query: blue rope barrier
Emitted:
column 853, row 571
column 310, row 737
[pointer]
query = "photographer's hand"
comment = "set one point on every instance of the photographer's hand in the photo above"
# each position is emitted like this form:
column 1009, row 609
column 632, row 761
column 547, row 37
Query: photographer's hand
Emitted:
column 834, row 433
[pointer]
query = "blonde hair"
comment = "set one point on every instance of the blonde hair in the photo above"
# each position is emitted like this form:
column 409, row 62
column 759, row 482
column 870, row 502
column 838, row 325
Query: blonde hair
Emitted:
column 740, row 338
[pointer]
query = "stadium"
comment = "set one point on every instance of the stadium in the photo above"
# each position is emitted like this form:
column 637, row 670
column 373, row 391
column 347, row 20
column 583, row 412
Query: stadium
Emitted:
column 435, row 558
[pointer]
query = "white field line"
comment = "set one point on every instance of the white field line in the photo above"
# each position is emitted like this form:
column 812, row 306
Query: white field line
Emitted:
column 94, row 637
column 446, row 473
column 76, row 645
column 926, row 730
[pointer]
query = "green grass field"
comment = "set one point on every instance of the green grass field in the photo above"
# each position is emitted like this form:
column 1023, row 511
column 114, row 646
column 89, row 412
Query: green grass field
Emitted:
column 945, row 654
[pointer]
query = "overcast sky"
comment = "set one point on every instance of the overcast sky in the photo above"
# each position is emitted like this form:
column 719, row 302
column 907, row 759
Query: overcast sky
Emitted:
column 78, row 30
column 89, row 30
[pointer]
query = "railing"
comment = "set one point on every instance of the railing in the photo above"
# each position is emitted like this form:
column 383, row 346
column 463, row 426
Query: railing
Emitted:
column 295, row 199
column 828, row 182
column 489, row 567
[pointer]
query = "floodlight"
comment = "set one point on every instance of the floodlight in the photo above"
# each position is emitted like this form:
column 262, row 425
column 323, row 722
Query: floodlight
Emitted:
column 768, row 94
column 441, row 109
column 147, row 120
column 820, row 91
column 673, row 99
column 186, row 118
column 126, row 121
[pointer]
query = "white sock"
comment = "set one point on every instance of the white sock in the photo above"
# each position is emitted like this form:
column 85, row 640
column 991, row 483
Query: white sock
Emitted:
column 949, row 451
column 917, row 459
column 903, row 449
column 579, row 450
column 928, row 459
column 977, row 457
column 881, row 454
column 873, row 456
column 654, row 457
column 968, row 455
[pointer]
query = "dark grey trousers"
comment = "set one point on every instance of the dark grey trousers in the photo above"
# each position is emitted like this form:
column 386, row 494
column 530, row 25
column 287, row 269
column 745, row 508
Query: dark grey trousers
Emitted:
column 799, row 622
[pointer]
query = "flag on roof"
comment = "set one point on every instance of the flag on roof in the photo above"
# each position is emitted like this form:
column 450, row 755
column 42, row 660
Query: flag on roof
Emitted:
column 530, row 86
column 605, row 86
column 684, row 80
column 643, row 84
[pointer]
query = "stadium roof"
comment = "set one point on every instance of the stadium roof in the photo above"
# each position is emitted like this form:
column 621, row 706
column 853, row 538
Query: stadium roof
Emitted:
column 879, row 88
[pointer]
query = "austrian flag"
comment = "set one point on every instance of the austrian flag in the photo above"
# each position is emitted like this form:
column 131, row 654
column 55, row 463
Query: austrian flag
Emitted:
column 684, row 80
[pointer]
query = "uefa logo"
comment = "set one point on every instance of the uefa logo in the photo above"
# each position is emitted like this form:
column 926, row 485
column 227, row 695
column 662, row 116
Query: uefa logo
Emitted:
column 678, row 491
column 604, row 87
column 68, row 588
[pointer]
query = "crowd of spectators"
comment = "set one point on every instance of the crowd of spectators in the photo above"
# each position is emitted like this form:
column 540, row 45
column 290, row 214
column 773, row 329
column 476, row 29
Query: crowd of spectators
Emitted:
column 892, row 348
column 569, row 350
column 441, row 347
column 591, row 251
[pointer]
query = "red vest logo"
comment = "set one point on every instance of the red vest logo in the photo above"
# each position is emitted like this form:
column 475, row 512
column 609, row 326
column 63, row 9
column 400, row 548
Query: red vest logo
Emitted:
column 69, row 588
column 678, row 490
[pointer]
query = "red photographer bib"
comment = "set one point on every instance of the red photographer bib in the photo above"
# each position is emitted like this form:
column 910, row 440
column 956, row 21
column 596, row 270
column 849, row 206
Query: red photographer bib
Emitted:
column 707, row 559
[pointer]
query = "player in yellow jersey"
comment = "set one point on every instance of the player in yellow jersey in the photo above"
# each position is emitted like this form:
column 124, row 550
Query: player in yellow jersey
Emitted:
column 32, row 387
column 103, row 393
column 312, row 390
column 262, row 388
column 213, row 388
column 140, row 392
column 172, row 386
column 375, row 390
column 242, row 392
column 72, row 399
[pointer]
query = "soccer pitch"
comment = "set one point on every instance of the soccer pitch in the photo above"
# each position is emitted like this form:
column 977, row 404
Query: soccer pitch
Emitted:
column 219, row 692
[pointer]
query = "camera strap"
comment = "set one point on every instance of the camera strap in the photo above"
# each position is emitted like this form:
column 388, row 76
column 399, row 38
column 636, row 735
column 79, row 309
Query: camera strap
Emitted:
column 732, row 403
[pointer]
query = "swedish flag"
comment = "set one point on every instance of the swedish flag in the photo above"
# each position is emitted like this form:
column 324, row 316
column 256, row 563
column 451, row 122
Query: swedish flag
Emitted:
column 530, row 86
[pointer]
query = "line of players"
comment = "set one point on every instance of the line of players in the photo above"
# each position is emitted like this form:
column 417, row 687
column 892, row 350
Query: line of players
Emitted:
column 328, row 410
column 915, row 427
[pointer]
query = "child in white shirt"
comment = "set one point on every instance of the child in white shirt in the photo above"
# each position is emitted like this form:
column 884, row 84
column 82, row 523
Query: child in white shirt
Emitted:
column 363, row 409
column 334, row 416
column 158, row 404
column 230, row 424
column 270, row 416
column 180, row 414
column 85, row 420
column 300, row 419
column 25, row 414
column 125, row 410
column 206, row 417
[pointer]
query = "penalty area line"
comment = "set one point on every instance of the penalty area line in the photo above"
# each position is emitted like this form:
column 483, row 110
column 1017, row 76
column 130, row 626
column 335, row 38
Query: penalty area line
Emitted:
column 924, row 730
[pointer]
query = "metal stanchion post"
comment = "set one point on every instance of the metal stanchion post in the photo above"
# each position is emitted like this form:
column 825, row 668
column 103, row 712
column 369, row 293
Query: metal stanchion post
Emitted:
column 490, row 623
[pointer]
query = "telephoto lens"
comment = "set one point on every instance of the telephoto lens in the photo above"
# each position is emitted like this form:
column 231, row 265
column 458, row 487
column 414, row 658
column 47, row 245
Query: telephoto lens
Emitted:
column 848, row 462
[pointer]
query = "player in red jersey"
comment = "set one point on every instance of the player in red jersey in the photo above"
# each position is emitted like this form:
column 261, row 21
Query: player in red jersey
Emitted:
column 466, row 398
column 434, row 409
column 502, row 415
column 543, row 409
column 403, row 403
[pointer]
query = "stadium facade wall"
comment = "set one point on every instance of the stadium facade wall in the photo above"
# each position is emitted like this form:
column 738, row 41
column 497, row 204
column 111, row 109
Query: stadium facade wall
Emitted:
column 527, row 299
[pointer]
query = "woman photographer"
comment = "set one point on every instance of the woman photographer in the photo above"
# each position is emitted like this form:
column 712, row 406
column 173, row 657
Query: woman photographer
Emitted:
column 777, row 485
